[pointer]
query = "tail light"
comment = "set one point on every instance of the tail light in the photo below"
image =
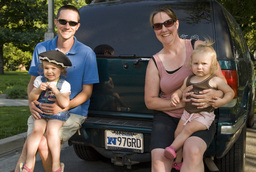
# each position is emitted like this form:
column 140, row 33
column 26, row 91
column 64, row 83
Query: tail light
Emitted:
column 231, row 77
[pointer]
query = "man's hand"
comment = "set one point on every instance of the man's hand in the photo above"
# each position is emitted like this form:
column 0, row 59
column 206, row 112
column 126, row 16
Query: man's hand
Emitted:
column 50, row 109
column 34, row 110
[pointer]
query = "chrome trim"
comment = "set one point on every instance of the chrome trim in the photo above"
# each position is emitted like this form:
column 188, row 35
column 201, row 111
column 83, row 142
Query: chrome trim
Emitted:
column 232, row 129
column 232, row 103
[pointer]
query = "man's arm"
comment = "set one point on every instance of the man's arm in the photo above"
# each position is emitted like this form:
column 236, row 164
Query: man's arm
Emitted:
column 82, row 97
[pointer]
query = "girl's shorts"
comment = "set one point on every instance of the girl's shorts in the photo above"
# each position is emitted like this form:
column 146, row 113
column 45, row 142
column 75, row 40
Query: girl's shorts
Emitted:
column 62, row 116
column 206, row 118
column 163, row 129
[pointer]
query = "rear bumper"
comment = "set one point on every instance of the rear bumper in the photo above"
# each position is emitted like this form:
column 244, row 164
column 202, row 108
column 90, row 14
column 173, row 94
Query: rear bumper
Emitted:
column 92, row 134
column 228, row 135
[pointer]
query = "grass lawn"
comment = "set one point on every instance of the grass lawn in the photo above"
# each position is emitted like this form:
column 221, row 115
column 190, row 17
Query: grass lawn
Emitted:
column 13, row 120
column 14, row 83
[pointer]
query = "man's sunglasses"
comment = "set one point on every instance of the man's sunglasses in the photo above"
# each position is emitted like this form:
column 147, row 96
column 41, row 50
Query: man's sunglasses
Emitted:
column 167, row 23
column 64, row 22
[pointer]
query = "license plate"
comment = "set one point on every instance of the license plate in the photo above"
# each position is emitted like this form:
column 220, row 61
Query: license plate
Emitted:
column 127, row 141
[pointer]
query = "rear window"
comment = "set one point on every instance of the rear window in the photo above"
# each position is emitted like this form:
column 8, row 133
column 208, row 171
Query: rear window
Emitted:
column 126, row 27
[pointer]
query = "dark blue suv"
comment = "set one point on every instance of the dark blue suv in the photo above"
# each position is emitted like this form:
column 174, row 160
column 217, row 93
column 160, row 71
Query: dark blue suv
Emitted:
column 119, row 124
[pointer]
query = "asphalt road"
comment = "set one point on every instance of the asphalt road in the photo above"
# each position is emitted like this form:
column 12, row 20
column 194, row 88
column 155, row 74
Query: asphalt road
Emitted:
column 74, row 164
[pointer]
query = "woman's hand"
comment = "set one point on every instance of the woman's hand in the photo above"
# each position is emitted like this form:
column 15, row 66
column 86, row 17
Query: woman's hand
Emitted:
column 205, row 98
column 187, row 93
column 34, row 110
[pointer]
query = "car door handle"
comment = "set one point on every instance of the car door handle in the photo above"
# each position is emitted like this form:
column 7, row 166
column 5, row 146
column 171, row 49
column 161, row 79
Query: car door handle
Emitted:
column 143, row 59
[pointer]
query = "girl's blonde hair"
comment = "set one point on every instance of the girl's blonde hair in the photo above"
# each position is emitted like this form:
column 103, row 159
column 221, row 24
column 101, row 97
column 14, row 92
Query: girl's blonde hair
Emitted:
column 206, row 48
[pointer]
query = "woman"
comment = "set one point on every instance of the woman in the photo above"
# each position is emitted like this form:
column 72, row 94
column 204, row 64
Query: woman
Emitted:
column 165, row 74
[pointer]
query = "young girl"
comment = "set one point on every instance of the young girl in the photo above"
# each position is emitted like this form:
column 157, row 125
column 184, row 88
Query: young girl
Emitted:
column 51, row 85
column 203, row 64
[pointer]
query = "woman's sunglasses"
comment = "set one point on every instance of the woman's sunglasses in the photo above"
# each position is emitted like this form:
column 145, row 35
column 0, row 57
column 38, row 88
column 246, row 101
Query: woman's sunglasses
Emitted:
column 64, row 22
column 167, row 23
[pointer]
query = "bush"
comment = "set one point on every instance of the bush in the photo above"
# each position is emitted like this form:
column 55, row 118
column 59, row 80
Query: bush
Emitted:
column 15, row 57
column 14, row 84
column 16, row 92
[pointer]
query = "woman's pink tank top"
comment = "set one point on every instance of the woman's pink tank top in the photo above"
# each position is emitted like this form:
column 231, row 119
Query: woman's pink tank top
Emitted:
column 169, row 83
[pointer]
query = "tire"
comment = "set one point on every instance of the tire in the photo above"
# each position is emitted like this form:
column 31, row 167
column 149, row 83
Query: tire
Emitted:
column 234, row 160
column 86, row 153
column 250, row 119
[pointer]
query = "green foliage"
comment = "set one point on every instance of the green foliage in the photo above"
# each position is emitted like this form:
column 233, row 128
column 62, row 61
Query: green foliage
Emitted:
column 22, row 25
column 15, row 92
column 14, row 84
column 14, row 57
column 77, row 3
column 245, row 14
column 13, row 120
column 23, row 22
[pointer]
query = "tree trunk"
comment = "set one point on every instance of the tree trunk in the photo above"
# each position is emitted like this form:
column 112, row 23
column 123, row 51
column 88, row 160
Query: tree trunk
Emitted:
column 1, row 60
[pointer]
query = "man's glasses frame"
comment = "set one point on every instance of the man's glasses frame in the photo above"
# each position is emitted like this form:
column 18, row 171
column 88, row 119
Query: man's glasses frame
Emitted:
column 64, row 22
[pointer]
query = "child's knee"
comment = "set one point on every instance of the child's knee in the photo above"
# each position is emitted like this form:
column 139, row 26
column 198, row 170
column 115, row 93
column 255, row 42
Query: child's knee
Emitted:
column 52, row 133
column 43, row 145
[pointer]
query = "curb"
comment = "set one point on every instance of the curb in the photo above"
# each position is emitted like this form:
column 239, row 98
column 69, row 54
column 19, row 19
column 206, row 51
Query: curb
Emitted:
column 12, row 144
column 13, row 102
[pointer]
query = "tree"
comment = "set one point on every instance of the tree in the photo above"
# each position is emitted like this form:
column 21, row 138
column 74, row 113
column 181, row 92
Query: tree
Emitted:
column 24, row 22
column 245, row 14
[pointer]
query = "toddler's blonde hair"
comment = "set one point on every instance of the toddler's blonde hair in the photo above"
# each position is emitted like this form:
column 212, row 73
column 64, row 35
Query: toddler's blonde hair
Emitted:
column 206, row 48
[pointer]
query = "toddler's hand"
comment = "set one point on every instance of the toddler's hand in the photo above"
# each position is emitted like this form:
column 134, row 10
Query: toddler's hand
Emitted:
column 175, row 100
column 43, row 86
column 52, row 87
column 216, row 102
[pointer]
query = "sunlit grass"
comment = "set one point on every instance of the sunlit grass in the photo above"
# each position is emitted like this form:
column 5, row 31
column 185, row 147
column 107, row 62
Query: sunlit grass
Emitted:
column 13, row 120
column 14, row 83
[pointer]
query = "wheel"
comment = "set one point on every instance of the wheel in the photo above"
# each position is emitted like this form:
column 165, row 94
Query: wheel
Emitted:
column 250, row 119
column 86, row 153
column 234, row 160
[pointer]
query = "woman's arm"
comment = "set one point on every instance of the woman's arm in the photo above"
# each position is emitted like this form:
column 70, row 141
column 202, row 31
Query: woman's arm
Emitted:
column 152, row 89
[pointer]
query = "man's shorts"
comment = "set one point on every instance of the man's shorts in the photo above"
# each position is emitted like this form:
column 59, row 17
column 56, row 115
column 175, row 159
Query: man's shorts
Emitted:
column 68, row 129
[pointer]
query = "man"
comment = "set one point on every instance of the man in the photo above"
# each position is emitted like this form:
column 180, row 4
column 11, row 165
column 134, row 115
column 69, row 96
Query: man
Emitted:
column 82, row 75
